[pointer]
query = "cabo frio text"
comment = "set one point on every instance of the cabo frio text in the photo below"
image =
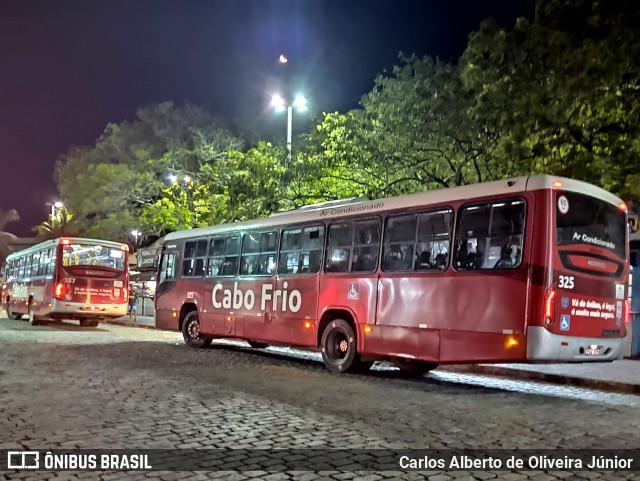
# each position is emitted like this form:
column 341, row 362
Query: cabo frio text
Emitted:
column 276, row 299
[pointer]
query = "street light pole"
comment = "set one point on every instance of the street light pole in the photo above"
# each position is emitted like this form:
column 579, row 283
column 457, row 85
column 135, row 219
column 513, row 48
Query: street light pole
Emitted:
column 279, row 103
column 289, row 129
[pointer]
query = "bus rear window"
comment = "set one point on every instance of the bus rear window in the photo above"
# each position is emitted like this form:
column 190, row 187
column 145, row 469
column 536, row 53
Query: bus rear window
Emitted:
column 93, row 255
column 581, row 219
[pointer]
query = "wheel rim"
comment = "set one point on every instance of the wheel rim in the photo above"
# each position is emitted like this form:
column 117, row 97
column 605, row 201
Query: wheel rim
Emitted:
column 338, row 346
column 193, row 329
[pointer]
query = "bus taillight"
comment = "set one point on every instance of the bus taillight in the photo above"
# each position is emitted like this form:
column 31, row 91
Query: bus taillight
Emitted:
column 59, row 292
column 548, row 305
column 626, row 318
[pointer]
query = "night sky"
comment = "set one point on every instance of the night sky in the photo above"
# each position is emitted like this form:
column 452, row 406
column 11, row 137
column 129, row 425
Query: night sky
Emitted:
column 67, row 68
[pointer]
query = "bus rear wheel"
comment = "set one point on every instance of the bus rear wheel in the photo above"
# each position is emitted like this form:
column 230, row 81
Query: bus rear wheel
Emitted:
column 13, row 315
column 339, row 348
column 88, row 323
column 411, row 368
column 191, row 331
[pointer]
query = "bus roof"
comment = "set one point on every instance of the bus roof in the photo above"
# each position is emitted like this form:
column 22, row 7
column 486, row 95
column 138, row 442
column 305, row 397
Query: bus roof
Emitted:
column 58, row 240
column 347, row 208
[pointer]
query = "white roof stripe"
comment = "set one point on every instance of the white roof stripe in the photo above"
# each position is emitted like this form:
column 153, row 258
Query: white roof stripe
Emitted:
column 487, row 189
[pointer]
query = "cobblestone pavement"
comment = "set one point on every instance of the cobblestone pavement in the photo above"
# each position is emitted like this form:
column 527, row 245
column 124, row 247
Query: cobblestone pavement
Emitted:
column 112, row 387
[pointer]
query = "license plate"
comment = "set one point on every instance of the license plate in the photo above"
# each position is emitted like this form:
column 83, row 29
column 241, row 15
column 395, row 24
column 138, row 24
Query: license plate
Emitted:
column 592, row 352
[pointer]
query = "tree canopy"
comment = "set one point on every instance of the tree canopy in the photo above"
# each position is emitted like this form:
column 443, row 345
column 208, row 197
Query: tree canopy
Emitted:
column 556, row 94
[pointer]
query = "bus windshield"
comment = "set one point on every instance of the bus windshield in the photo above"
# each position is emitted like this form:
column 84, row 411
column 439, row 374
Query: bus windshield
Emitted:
column 581, row 219
column 93, row 255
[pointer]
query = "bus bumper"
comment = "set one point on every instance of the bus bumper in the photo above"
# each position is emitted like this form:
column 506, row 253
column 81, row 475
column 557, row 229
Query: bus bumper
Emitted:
column 78, row 310
column 544, row 346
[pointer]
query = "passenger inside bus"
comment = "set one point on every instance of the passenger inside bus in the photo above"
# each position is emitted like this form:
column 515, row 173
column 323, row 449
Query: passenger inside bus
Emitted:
column 424, row 261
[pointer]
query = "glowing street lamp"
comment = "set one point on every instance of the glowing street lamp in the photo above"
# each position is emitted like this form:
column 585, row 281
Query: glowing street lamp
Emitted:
column 54, row 206
column 279, row 104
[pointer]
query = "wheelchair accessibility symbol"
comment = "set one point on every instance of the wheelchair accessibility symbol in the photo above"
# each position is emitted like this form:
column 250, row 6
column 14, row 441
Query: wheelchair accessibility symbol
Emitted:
column 565, row 322
column 354, row 291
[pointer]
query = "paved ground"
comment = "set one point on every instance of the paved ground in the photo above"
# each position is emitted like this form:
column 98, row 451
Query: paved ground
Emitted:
column 618, row 376
column 63, row 386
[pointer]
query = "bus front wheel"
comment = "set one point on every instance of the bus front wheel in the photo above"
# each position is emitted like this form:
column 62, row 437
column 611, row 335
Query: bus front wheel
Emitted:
column 339, row 349
column 191, row 331
column 13, row 315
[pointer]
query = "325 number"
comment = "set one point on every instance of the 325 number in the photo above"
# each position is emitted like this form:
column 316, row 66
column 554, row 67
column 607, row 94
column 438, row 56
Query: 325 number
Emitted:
column 565, row 282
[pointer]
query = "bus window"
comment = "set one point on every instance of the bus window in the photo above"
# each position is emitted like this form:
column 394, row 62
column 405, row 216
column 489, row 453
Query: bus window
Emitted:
column 168, row 267
column 490, row 236
column 223, row 256
column 259, row 252
column 195, row 255
column 366, row 246
column 339, row 247
column 301, row 250
column 590, row 221
column 417, row 241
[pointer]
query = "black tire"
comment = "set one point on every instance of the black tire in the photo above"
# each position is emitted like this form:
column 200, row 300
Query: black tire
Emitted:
column 339, row 347
column 258, row 345
column 191, row 331
column 411, row 368
column 13, row 315
column 363, row 367
column 88, row 323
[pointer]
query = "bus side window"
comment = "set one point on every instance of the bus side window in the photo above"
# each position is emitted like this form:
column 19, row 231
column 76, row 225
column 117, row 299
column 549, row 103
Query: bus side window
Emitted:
column 339, row 247
column 167, row 267
column 367, row 245
column 195, row 254
column 259, row 251
column 490, row 236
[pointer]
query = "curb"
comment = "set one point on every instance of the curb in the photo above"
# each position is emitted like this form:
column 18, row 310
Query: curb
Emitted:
column 129, row 324
column 612, row 386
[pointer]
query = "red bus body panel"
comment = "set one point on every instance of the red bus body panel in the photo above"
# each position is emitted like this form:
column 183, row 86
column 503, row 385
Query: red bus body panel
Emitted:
column 453, row 316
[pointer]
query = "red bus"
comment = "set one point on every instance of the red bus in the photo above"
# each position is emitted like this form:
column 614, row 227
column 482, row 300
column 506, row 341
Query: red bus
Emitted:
column 67, row 278
column 531, row 269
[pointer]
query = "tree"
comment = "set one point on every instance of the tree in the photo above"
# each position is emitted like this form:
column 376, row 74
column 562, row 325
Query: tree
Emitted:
column 6, row 238
column 238, row 186
column 109, row 184
column 61, row 223
column 412, row 133
column 562, row 91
